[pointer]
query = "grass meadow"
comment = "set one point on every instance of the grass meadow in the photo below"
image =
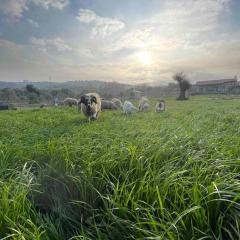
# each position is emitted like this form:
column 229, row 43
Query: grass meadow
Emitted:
column 173, row 175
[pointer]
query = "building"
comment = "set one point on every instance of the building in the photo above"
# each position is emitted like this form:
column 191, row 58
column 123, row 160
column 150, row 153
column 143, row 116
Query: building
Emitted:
column 221, row 86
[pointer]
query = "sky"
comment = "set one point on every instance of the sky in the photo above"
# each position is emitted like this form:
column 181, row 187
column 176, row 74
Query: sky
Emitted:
column 129, row 41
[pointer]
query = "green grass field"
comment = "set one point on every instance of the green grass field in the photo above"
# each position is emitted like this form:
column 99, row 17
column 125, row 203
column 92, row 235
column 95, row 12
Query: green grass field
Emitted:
column 173, row 175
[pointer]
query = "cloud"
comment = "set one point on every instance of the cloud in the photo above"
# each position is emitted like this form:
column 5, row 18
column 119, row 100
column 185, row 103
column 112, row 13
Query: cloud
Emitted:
column 192, row 15
column 86, row 16
column 138, row 38
column 13, row 9
column 186, row 35
column 103, row 26
column 44, row 44
column 59, row 4
column 33, row 23
column 179, row 29
column 5, row 44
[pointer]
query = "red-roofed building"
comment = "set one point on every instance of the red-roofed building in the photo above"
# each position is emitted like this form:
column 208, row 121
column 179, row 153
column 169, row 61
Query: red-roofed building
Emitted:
column 216, row 86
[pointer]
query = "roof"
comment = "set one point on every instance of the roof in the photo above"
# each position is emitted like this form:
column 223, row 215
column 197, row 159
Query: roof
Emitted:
column 215, row 82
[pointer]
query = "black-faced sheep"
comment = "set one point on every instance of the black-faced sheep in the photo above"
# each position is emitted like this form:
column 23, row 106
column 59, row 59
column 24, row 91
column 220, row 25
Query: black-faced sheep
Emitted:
column 90, row 104
column 160, row 106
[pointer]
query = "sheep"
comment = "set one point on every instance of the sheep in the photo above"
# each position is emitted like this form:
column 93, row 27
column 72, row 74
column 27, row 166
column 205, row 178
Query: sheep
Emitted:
column 90, row 105
column 108, row 105
column 128, row 107
column 117, row 102
column 70, row 102
column 43, row 105
column 160, row 106
column 143, row 104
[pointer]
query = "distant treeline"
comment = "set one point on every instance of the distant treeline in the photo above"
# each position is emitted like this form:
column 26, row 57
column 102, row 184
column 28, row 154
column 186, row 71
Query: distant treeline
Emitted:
column 171, row 90
column 31, row 94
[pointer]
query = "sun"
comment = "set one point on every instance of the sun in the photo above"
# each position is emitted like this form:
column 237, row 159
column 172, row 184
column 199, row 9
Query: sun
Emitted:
column 145, row 57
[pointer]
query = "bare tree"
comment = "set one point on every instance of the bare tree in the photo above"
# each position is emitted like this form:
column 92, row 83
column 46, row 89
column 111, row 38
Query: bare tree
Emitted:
column 183, row 84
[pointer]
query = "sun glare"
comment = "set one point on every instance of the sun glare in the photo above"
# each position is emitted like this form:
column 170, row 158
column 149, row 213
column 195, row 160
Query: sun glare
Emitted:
column 145, row 57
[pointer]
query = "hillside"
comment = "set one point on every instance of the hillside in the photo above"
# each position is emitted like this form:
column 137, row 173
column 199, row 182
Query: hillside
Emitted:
column 72, row 85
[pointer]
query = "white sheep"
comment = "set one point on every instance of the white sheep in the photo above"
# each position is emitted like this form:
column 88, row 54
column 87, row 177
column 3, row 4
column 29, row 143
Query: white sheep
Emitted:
column 90, row 104
column 128, row 107
column 143, row 104
column 70, row 102
column 117, row 102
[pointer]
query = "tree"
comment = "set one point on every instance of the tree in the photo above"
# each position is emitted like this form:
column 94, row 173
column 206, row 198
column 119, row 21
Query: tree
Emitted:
column 8, row 94
column 183, row 84
column 31, row 89
column 32, row 94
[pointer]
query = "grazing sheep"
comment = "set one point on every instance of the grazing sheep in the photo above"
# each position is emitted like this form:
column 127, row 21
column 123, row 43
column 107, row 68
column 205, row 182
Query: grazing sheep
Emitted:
column 108, row 105
column 143, row 104
column 70, row 102
column 160, row 106
column 43, row 105
column 128, row 107
column 117, row 102
column 90, row 104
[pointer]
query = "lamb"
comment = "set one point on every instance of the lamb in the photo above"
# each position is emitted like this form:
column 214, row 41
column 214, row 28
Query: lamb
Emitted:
column 143, row 104
column 160, row 106
column 128, row 107
column 117, row 102
column 108, row 105
column 90, row 104
column 70, row 102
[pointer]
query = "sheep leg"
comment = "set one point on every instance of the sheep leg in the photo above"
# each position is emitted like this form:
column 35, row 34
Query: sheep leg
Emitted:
column 97, row 115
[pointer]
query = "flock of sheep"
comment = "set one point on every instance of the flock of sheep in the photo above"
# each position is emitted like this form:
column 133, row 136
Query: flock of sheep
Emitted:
column 91, row 105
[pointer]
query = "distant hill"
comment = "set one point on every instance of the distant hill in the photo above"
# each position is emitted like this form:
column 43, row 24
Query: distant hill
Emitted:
column 47, row 92
column 57, row 85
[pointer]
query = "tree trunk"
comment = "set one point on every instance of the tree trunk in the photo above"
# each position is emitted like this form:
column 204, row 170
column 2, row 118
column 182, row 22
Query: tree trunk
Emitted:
column 182, row 95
